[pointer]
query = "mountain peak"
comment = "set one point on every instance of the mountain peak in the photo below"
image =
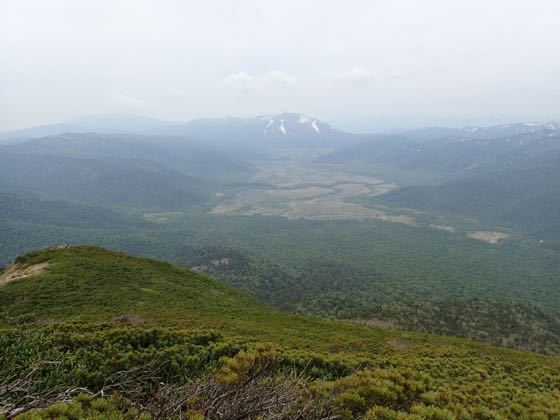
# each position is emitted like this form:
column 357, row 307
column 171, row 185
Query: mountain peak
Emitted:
column 293, row 124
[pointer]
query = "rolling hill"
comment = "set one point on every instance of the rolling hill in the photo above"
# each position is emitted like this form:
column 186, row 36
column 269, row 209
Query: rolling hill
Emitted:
column 505, row 181
column 483, row 132
column 98, row 182
column 525, row 196
column 31, row 210
column 94, row 313
column 117, row 170
column 102, row 123
column 179, row 154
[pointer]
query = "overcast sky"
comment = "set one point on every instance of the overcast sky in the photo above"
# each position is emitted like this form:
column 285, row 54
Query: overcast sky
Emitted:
column 358, row 64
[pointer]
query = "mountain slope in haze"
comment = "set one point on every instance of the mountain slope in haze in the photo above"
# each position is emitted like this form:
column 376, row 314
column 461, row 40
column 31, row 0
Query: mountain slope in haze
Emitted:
column 174, row 153
column 98, row 182
column 142, row 172
column 291, row 129
column 482, row 132
column 451, row 155
column 379, row 148
column 279, row 129
column 526, row 196
column 510, row 181
column 31, row 210
column 102, row 123
column 124, row 306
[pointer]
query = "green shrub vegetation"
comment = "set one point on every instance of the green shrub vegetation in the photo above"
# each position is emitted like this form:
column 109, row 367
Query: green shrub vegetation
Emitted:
column 93, row 314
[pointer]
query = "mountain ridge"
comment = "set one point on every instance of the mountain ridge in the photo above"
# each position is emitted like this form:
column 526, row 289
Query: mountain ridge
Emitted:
column 138, row 124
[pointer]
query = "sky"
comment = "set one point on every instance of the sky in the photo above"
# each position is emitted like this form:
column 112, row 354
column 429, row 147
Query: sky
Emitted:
column 357, row 64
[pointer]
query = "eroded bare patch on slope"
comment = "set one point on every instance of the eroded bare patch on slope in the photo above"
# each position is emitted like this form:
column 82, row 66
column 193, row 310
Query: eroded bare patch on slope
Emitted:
column 17, row 272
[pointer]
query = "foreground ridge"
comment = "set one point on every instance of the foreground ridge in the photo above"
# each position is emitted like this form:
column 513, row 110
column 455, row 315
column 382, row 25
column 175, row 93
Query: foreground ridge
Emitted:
column 95, row 324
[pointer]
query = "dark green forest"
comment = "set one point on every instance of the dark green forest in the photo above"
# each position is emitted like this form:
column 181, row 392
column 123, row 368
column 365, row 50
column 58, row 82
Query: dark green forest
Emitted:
column 344, row 269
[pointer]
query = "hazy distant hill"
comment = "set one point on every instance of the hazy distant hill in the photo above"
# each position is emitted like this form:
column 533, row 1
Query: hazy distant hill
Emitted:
column 103, row 123
column 451, row 154
column 31, row 210
column 98, row 182
column 180, row 154
column 145, row 172
column 293, row 129
column 479, row 132
column 512, row 180
column 525, row 195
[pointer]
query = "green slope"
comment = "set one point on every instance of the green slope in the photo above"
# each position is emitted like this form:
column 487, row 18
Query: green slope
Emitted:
column 523, row 198
column 126, row 311
column 91, row 284
column 61, row 213
column 502, row 323
column 106, row 182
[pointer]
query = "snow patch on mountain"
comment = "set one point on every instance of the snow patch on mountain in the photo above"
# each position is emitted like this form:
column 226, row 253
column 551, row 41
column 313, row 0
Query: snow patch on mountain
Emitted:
column 282, row 128
column 315, row 127
column 303, row 119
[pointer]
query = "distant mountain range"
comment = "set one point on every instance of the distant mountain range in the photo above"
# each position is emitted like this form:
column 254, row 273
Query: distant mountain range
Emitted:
column 285, row 125
column 505, row 174
column 282, row 127
column 119, row 170
column 511, row 179
column 480, row 132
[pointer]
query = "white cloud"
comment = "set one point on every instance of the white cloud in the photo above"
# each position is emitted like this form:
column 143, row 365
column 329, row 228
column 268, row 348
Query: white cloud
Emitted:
column 240, row 81
column 355, row 75
column 244, row 82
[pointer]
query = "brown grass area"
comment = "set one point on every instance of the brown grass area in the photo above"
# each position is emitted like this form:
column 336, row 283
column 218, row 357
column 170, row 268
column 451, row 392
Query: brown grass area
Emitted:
column 372, row 323
column 487, row 236
column 17, row 272
column 398, row 344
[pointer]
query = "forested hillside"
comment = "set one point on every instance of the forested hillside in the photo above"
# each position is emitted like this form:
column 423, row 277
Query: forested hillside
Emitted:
column 161, row 195
column 508, row 181
column 501, row 323
column 126, row 171
column 335, row 269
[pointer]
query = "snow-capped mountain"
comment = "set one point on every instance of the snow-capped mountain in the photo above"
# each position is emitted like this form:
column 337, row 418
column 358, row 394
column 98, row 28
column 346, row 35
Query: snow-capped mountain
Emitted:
column 481, row 132
column 293, row 125
column 289, row 128
column 280, row 129
column 504, row 130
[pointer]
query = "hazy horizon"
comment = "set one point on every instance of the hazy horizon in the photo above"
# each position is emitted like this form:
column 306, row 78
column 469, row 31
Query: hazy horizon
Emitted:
column 106, row 119
column 361, row 65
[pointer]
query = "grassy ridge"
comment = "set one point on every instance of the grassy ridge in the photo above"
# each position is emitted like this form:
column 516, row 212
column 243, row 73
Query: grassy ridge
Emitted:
column 129, row 310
